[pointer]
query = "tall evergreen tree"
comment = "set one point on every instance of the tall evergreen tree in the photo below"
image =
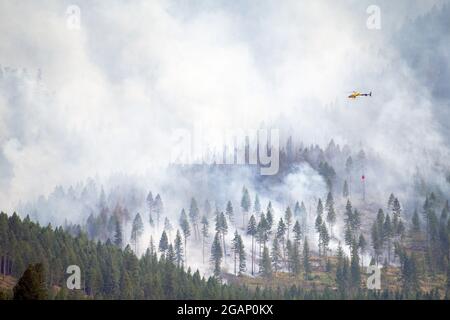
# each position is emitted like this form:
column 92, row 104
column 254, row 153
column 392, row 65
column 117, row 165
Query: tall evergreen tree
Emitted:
column 324, row 239
column 194, row 214
column 216, row 254
column 257, row 205
column 390, row 203
column 355, row 268
column 205, row 234
column 281, row 236
column 242, row 256
column 387, row 234
column 319, row 219
column 178, row 249
column 269, row 218
column 297, row 210
column 168, row 227
column 150, row 201
column 239, row 254
column 396, row 212
column 163, row 243
column 415, row 222
column 262, row 233
column 265, row 264
column 288, row 219
column 118, row 238
column 186, row 229
column 229, row 211
column 298, row 234
column 158, row 208
column 331, row 214
column 32, row 285
column 345, row 192
column 362, row 244
column 235, row 249
column 136, row 231
column 245, row 205
column 251, row 231
column 276, row 255
column 222, row 228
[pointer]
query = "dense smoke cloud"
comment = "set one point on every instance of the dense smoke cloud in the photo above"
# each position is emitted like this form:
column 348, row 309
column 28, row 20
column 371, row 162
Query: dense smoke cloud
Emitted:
column 111, row 93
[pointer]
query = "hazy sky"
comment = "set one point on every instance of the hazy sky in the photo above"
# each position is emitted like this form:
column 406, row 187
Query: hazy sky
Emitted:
column 114, row 90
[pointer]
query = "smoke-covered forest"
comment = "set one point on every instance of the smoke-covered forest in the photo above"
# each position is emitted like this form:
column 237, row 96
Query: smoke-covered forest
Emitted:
column 212, row 151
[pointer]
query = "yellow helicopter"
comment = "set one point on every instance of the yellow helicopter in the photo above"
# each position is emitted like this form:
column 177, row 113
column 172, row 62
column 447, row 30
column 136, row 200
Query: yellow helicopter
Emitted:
column 356, row 94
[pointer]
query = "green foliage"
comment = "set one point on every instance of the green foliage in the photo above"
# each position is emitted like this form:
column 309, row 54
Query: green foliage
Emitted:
column 31, row 286
column 216, row 254
column 110, row 272
column 265, row 264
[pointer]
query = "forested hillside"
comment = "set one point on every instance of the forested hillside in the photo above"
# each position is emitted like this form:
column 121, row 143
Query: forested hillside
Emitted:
column 108, row 272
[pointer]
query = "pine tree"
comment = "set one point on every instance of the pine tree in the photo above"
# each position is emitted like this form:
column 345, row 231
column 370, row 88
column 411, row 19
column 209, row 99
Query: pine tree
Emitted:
column 409, row 274
column 239, row 253
column 362, row 244
column 276, row 255
column 136, row 231
column 396, row 210
column 163, row 243
column 257, row 205
column 168, row 227
column 415, row 222
column 118, row 239
column 295, row 259
column 242, row 256
column 349, row 165
column 31, row 286
column 205, row 234
column 288, row 255
column 376, row 240
column 150, row 205
column 387, row 235
column 229, row 211
column 194, row 216
column 297, row 210
column 342, row 272
column 216, row 254
column 331, row 214
column 262, row 233
column 158, row 208
column 178, row 249
column 222, row 228
column 251, row 231
column 345, row 192
column 354, row 267
column 288, row 219
column 390, row 203
column 235, row 249
column 186, row 229
column 269, row 217
column 298, row 234
column 348, row 217
column 245, row 205
column 281, row 232
column 170, row 256
column 325, row 239
column 265, row 264
column 304, row 215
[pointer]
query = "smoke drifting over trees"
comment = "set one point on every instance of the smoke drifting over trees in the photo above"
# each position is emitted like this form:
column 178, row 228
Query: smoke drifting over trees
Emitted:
column 86, row 128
